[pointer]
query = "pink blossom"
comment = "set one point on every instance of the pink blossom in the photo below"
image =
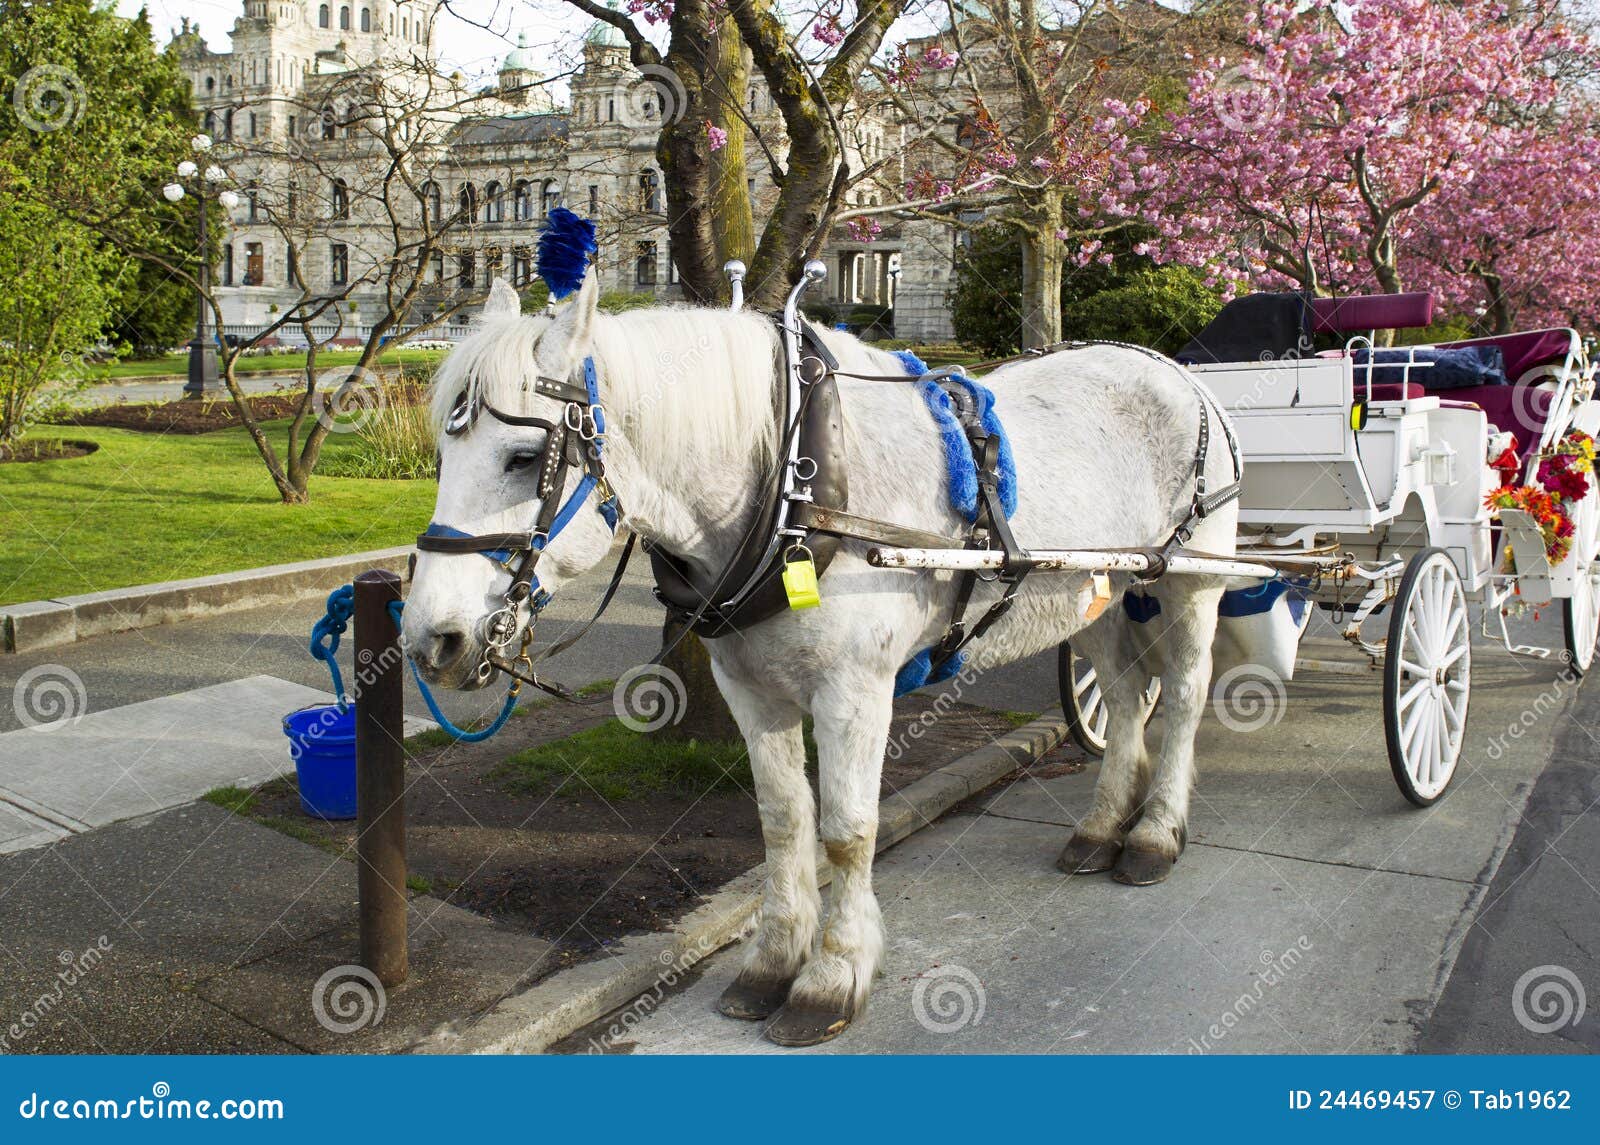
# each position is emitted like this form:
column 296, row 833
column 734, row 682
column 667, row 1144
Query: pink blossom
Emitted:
column 827, row 30
column 716, row 136
column 863, row 228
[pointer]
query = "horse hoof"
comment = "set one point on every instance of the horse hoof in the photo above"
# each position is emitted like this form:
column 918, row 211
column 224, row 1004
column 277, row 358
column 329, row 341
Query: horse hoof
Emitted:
column 1088, row 856
column 753, row 1001
column 800, row 1024
column 1142, row 868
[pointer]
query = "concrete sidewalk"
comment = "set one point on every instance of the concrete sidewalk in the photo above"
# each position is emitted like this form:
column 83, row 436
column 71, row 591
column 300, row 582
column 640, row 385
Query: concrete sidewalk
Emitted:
column 1314, row 910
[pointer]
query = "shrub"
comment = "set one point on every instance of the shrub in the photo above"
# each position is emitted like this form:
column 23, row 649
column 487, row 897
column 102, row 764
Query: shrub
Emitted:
column 395, row 444
column 1161, row 307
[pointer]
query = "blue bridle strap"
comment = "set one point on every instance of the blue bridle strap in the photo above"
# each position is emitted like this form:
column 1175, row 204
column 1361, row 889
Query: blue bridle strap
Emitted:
column 536, row 541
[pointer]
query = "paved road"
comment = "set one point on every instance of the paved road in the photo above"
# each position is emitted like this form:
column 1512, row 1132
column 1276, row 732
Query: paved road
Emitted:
column 1314, row 910
column 134, row 390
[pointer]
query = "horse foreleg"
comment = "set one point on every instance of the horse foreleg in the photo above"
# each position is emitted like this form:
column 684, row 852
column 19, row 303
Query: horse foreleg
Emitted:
column 851, row 727
column 790, row 903
column 1096, row 842
column 1155, row 843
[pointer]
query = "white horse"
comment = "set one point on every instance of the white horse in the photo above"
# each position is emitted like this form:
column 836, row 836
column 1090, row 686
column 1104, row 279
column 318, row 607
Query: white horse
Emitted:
column 1105, row 442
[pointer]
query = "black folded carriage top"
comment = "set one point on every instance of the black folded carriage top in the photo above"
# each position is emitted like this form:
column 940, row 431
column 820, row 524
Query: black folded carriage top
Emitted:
column 1254, row 328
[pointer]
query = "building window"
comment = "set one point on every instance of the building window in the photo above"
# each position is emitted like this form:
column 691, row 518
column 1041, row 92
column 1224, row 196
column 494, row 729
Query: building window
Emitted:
column 341, row 199
column 466, row 270
column 294, row 126
column 253, row 198
column 366, row 20
column 436, row 268
column 494, row 205
column 432, row 204
column 522, row 201
column 649, row 191
column 549, row 198
column 644, row 266
column 291, row 264
column 253, row 132
column 344, row 19
column 493, row 264
column 594, row 200
column 611, row 111
column 322, row 16
column 468, row 201
column 330, row 123
column 340, row 263
column 227, row 264
column 255, row 271
column 227, row 123
column 521, row 268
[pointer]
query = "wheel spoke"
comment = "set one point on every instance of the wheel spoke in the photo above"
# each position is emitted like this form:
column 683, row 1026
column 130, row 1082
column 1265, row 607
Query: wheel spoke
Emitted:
column 1411, row 694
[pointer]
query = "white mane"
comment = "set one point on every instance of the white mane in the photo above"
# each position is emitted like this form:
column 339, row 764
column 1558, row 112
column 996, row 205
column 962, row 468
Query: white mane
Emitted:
column 670, row 377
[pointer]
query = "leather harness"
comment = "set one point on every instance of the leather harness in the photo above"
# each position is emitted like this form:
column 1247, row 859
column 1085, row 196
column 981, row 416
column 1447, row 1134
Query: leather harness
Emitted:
column 749, row 587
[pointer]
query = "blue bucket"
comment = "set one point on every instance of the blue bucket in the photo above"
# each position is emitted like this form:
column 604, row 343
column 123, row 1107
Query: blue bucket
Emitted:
column 322, row 743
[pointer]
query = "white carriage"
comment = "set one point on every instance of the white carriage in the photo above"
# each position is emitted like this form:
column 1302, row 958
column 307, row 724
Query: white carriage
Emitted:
column 1364, row 490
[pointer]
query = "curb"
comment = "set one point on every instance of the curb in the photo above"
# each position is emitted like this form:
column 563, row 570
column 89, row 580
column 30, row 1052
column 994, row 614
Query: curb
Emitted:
column 65, row 620
column 536, row 1018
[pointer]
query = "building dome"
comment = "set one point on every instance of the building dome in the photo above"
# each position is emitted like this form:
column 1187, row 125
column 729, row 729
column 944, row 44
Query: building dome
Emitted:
column 604, row 35
column 520, row 58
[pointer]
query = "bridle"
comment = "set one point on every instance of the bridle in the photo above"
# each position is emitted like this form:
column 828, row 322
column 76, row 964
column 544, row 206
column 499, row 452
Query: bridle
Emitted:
column 575, row 441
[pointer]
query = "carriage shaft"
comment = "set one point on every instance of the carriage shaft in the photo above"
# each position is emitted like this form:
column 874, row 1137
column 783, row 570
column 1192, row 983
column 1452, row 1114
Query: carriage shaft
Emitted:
column 1064, row 560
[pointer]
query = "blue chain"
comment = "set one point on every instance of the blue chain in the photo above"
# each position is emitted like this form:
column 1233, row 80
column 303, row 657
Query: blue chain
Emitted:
column 325, row 635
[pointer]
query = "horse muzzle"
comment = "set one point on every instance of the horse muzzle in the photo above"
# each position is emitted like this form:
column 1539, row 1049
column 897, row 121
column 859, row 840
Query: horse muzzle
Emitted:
column 451, row 656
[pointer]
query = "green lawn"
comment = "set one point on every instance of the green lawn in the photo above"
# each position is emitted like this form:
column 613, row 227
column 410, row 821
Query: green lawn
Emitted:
column 264, row 363
column 152, row 507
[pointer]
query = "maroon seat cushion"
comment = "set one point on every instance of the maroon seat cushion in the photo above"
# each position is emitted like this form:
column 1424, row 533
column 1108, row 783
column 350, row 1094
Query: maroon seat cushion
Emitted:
column 1390, row 391
column 1372, row 312
column 1520, row 409
column 1522, row 352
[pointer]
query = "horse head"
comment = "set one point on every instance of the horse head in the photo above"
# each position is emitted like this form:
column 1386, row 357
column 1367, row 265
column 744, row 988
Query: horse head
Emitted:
column 520, row 510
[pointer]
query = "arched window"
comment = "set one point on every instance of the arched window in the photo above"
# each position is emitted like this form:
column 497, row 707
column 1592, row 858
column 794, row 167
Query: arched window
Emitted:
column 405, row 28
column 522, row 201
column 432, row 203
column 341, row 199
column 322, row 16
column 494, row 205
column 211, row 84
column 330, row 123
column 468, row 201
column 210, row 123
column 366, row 19
column 344, row 19
column 227, row 123
column 549, row 197
column 649, row 191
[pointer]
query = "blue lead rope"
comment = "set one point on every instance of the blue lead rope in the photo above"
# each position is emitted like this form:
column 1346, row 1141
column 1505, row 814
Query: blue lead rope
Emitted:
column 325, row 635
column 396, row 608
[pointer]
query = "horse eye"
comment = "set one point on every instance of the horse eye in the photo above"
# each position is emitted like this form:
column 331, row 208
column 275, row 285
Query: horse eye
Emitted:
column 520, row 460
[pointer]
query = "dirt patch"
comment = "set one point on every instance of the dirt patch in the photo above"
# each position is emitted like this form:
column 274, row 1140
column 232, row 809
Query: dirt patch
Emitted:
column 200, row 416
column 47, row 449
column 581, row 870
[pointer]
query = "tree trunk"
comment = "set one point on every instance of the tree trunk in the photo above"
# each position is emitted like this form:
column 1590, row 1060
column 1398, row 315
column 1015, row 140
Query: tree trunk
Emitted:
column 705, row 714
column 732, row 219
column 1043, row 257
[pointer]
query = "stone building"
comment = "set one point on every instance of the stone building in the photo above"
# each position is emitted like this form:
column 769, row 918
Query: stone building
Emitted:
column 507, row 158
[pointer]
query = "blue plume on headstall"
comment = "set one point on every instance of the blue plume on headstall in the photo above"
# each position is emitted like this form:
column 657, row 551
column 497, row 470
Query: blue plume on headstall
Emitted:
column 564, row 249
column 963, row 471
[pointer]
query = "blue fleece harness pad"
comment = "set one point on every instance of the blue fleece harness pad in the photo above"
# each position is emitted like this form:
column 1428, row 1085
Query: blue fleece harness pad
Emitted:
column 961, row 468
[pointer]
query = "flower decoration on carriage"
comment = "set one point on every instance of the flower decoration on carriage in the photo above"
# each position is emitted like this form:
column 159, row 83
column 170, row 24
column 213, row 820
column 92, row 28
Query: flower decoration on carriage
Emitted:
column 1562, row 479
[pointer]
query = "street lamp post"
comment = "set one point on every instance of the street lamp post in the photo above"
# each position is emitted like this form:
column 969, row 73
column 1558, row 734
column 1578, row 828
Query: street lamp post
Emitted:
column 203, row 380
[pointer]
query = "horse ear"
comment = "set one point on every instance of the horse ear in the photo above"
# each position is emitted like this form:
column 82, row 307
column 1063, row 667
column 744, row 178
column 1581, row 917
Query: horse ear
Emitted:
column 575, row 319
column 502, row 301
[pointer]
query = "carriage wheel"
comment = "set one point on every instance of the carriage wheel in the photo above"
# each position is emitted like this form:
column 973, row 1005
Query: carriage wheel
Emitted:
column 1580, row 619
column 1427, row 674
column 1083, row 702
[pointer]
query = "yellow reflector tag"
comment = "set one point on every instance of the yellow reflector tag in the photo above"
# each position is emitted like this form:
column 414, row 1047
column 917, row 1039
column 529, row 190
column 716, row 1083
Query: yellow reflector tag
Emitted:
column 800, row 583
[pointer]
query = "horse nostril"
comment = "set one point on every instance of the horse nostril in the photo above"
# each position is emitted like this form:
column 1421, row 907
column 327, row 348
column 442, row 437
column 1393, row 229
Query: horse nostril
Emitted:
column 443, row 648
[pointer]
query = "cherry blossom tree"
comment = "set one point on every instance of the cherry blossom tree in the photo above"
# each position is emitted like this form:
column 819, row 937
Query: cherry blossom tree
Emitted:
column 1312, row 158
column 1514, row 246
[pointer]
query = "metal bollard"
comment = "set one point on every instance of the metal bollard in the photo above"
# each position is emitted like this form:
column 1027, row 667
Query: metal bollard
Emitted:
column 380, row 778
